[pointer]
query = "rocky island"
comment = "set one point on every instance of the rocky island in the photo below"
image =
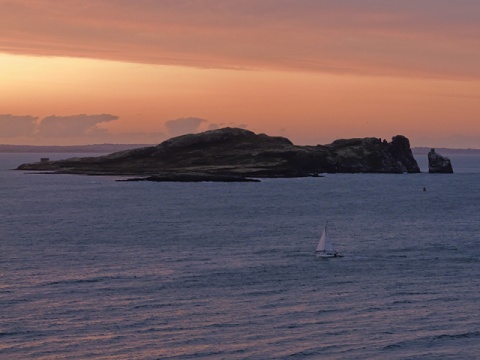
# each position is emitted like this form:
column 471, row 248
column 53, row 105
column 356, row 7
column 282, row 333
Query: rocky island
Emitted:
column 230, row 154
column 438, row 164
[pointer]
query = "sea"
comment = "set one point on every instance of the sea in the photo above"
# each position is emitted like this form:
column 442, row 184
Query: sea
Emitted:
column 93, row 268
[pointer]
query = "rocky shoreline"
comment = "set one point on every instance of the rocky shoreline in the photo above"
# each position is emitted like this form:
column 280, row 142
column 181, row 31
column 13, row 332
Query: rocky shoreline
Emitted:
column 191, row 177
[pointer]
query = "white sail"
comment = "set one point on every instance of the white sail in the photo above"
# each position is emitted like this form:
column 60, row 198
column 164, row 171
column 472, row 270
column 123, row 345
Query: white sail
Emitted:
column 328, row 243
column 325, row 246
column 321, row 243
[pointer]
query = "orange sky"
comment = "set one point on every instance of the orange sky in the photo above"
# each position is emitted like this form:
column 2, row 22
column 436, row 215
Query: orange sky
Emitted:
column 119, row 71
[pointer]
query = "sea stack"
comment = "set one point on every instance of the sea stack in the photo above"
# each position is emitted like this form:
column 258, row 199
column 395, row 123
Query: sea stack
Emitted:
column 438, row 164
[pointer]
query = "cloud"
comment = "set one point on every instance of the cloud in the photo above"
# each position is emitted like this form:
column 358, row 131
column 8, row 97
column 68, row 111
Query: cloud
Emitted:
column 232, row 124
column 74, row 125
column 184, row 125
column 213, row 126
column 12, row 126
column 386, row 37
column 136, row 138
column 191, row 125
column 70, row 130
column 85, row 128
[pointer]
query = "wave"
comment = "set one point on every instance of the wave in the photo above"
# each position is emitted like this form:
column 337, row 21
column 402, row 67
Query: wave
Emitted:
column 427, row 341
column 81, row 281
column 467, row 335
column 16, row 333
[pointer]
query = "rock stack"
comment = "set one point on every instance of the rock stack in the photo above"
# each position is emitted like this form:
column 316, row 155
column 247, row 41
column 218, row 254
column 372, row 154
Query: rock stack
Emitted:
column 438, row 164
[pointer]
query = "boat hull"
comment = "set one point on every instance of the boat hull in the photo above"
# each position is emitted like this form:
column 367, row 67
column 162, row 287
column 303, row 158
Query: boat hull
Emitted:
column 328, row 255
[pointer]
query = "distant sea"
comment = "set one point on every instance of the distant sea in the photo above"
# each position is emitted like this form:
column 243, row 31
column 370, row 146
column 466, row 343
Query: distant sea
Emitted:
column 97, row 269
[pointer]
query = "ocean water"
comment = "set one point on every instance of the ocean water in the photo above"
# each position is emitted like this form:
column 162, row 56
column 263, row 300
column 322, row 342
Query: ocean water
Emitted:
column 97, row 269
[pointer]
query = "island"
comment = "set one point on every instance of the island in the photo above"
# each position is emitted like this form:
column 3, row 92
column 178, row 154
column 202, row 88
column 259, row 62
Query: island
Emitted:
column 230, row 154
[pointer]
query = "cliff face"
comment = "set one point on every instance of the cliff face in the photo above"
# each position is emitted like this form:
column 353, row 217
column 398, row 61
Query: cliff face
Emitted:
column 239, row 152
column 371, row 155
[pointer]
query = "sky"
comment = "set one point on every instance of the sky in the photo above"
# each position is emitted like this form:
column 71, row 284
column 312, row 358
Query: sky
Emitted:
column 119, row 71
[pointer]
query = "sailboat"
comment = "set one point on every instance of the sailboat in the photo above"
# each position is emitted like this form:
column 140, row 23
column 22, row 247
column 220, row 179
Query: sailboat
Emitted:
column 325, row 247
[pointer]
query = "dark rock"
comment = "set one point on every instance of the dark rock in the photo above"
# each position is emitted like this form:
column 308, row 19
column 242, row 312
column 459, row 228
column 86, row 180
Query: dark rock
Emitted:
column 371, row 155
column 400, row 149
column 242, row 153
column 438, row 163
column 192, row 177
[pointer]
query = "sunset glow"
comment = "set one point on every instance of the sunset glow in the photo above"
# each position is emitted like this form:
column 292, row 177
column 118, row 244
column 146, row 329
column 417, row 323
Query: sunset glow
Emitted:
column 311, row 71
